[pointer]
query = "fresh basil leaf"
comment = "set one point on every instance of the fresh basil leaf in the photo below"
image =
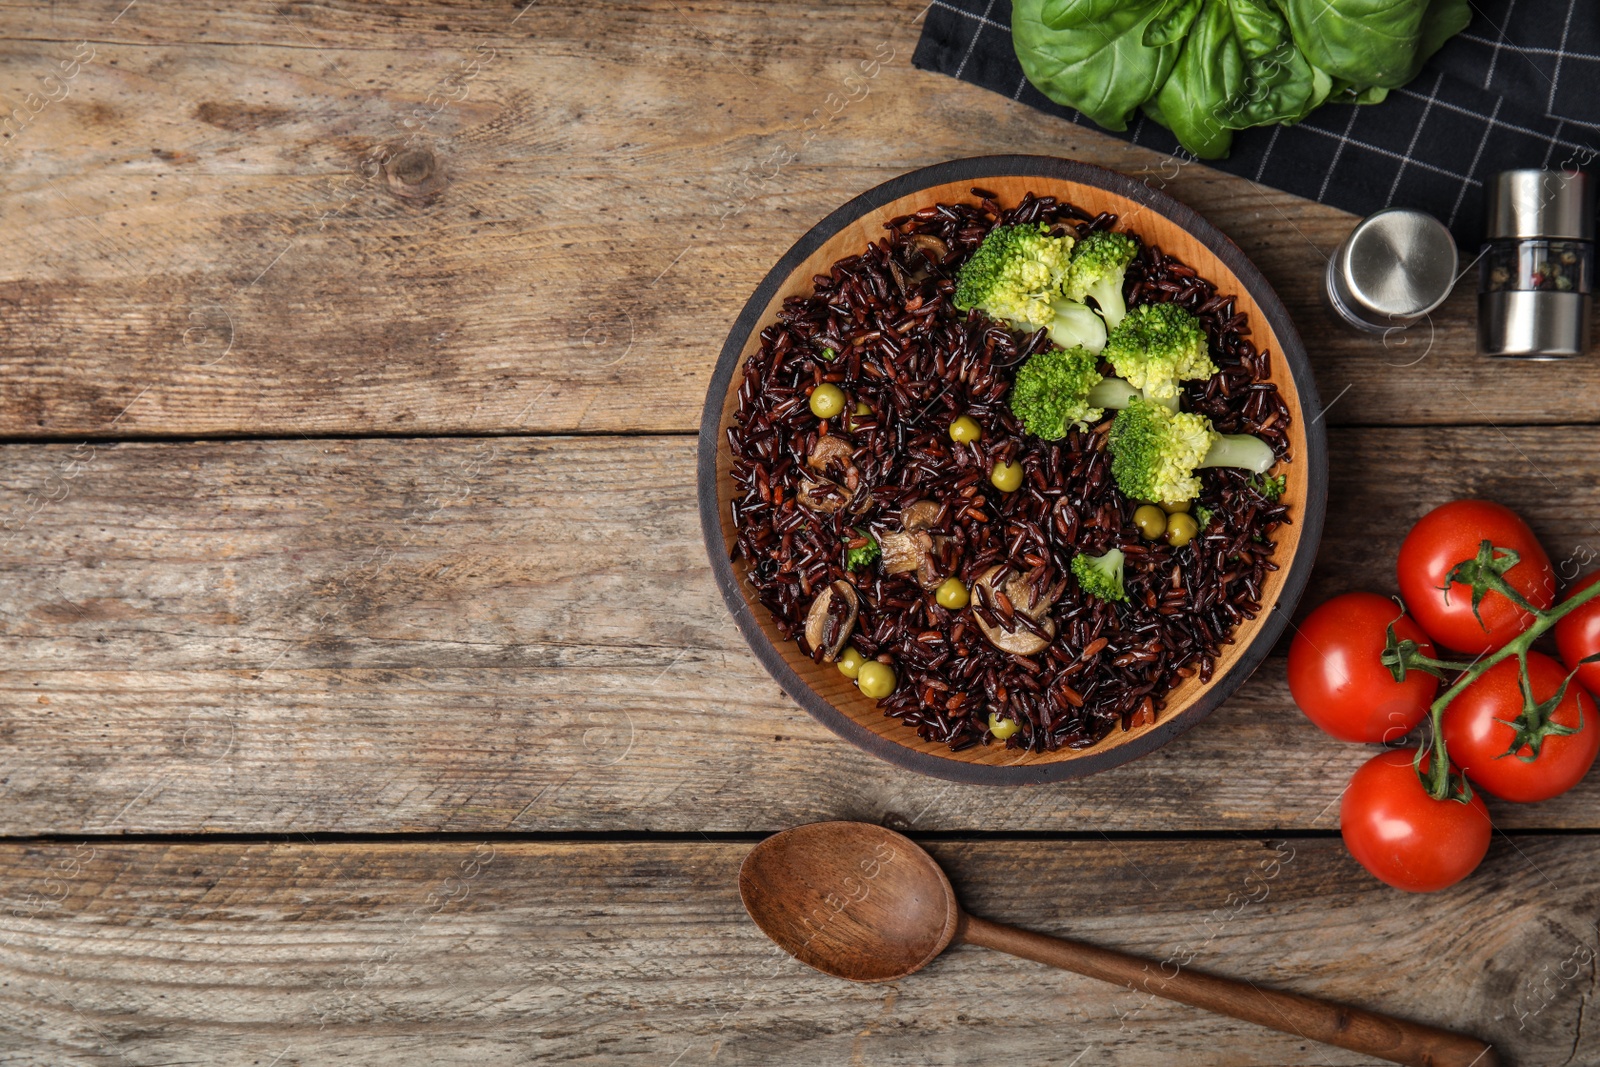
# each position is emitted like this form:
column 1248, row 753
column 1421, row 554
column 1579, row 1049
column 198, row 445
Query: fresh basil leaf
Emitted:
column 1278, row 87
column 1261, row 27
column 1102, row 68
column 1279, row 83
column 1073, row 14
column 1199, row 101
column 1170, row 25
column 1445, row 19
column 1365, row 42
column 1321, row 86
column 1344, row 92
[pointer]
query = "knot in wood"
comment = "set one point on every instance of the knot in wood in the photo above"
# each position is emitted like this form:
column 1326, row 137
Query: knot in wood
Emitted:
column 414, row 174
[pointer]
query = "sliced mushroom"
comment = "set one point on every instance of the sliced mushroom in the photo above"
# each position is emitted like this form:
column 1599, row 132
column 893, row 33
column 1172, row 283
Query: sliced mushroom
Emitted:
column 912, row 548
column 904, row 551
column 820, row 494
column 829, row 448
column 919, row 516
column 933, row 249
column 1027, row 596
column 833, row 454
column 831, row 620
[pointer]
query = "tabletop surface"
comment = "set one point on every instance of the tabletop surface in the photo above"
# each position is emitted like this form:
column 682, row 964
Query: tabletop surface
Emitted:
column 368, row 698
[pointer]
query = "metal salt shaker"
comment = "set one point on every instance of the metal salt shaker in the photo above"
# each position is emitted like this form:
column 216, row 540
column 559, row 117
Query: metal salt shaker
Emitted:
column 1395, row 267
column 1534, row 274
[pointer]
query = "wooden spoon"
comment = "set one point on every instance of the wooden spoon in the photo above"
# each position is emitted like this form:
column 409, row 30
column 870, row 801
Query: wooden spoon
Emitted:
column 861, row 902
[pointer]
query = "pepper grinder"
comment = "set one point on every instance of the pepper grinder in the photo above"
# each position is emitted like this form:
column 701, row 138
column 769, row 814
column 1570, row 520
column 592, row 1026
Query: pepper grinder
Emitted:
column 1534, row 274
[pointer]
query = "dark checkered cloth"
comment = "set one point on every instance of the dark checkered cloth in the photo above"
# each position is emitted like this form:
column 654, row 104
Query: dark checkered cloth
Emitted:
column 1520, row 87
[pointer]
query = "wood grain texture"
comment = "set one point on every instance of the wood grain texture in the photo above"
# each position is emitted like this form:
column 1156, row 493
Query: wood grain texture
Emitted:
column 517, row 953
column 308, row 218
column 523, row 634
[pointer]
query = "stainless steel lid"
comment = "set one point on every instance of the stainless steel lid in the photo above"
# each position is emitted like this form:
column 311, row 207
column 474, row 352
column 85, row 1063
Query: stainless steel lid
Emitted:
column 1540, row 203
column 1395, row 267
column 1533, row 324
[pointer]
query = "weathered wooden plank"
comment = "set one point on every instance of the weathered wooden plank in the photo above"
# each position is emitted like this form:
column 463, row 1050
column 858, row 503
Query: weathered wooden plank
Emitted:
column 207, row 244
column 522, row 634
column 512, row 952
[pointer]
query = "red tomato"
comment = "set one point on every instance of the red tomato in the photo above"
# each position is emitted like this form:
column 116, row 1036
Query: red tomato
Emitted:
column 1402, row 835
column 1338, row 679
column 1450, row 534
column 1478, row 743
column 1578, row 635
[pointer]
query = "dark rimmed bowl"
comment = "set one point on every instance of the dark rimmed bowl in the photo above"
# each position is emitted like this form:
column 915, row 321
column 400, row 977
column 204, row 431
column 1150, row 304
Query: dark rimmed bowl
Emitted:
column 1157, row 219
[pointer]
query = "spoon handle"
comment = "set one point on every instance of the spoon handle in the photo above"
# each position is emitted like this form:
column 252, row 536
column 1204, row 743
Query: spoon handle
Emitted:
column 1360, row 1031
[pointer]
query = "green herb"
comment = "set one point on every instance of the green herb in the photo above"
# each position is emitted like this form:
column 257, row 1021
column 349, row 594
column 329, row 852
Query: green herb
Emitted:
column 1374, row 44
column 1269, row 486
column 828, row 353
column 865, row 556
column 1205, row 68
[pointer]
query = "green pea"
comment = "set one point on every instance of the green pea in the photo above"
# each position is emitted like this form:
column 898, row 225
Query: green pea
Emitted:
column 1151, row 520
column 1181, row 530
column 1006, row 477
column 952, row 593
column 1002, row 728
column 964, row 429
column 1180, row 508
column 827, row 401
column 875, row 680
column 849, row 662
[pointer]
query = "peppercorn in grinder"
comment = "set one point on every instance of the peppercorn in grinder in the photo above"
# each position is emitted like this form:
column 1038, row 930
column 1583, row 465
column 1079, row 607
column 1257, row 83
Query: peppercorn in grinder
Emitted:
column 1537, row 265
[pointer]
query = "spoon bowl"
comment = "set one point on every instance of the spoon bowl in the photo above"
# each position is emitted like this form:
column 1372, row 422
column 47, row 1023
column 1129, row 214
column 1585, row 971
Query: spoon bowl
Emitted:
column 851, row 899
column 861, row 902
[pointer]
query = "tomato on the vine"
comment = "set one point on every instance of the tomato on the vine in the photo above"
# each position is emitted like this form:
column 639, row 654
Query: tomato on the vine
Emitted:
column 1478, row 739
column 1451, row 534
column 1337, row 678
column 1405, row 837
column 1578, row 636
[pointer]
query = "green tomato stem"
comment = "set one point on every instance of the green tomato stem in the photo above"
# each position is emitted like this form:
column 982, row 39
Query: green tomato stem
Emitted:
column 1436, row 779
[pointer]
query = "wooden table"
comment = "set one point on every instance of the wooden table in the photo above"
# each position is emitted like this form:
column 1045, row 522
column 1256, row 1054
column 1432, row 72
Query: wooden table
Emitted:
column 367, row 696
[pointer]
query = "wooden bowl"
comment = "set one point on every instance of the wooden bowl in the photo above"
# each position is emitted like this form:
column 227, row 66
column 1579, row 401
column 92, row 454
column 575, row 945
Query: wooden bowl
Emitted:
column 1157, row 219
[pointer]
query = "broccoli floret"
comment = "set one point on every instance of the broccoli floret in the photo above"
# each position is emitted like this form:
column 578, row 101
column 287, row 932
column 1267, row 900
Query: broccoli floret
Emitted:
column 1051, row 393
column 865, row 556
column 1202, row 516
column 1077, row 326
column 1015, row 274
column 1098, row 264
column 1058, row 389
column 1100, row 576
column 1155, row 451
column 1158, row 345
column 1269, row 486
